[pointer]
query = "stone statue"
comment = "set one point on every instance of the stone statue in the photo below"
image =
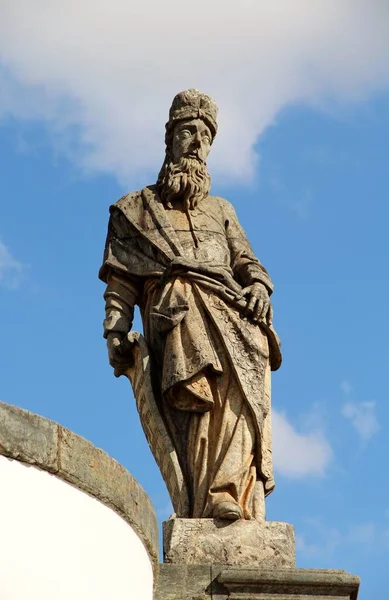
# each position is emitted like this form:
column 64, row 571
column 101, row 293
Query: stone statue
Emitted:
column 201, row 373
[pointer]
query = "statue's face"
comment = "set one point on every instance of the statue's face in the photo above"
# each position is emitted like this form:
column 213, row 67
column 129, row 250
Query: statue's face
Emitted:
column 191, row 139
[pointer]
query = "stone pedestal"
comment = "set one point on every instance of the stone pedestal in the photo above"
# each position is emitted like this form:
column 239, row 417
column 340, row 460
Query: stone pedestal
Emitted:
column 260, row 544
column 211, row 559
column 190, row 582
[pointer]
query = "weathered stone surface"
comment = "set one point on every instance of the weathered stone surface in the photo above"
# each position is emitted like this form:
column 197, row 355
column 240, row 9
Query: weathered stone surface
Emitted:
column 140, row 376
column 204, row 398
column 280, row 584
column 28, row 437
column 185, row 582
column 95, row 472
column 219, row 542
column 33, row 439
column 189, row 582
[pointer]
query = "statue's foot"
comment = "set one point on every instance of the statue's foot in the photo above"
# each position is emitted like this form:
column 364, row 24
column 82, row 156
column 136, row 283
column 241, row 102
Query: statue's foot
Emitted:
column 227, row 510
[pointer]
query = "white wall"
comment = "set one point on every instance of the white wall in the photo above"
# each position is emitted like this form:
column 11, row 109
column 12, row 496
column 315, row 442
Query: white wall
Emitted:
column 58, row 543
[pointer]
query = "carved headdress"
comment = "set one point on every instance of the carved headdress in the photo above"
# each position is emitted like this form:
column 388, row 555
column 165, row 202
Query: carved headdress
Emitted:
column 192, row 104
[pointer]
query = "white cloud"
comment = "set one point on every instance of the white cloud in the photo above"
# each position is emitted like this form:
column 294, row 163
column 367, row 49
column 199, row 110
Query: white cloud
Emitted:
column 102, row 74
column 305, row 547
column 298, row 455
column 328, row 539
column 10, row 268
column 362, row 534
column 363, row 418
column 346, row 387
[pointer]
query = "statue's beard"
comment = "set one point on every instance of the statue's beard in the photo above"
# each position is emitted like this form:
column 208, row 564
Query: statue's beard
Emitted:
column 187, row 180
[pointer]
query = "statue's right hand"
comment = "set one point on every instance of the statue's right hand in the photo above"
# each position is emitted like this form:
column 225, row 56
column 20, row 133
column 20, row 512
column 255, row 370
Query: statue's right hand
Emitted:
column 119, row 352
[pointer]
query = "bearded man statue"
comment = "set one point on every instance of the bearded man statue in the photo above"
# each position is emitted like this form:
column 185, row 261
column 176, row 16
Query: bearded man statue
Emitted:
column 181, row 255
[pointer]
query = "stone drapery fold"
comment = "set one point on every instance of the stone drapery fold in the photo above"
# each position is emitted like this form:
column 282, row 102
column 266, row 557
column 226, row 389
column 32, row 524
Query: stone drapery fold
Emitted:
column 192, row 317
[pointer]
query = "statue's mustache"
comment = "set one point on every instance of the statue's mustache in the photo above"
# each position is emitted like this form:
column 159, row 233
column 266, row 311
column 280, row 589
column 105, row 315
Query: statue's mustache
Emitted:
column 194, row 155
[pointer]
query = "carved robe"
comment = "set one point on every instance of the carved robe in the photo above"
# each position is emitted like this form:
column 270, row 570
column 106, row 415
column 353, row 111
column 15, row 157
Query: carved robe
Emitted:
column 211, row 366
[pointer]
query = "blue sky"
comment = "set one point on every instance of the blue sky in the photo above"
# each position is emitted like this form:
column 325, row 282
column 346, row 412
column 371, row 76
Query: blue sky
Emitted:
column 311, row 189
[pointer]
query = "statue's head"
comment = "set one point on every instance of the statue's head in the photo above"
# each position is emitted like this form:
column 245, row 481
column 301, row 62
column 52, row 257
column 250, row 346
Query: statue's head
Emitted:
column 192, row 125
column 190, row 131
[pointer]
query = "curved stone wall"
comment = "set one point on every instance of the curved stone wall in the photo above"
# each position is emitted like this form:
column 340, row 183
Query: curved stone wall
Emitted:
column 74, row 522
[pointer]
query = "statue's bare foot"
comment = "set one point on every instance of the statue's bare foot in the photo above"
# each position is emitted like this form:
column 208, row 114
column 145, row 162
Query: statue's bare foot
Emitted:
column 227, row 510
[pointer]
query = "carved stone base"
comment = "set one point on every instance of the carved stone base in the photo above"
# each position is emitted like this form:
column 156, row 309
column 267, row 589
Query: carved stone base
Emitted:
column 241, row 543
column 191, row 582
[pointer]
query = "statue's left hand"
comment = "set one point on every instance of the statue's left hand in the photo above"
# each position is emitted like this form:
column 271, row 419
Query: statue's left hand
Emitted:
column 258, row 305
column 120, row 352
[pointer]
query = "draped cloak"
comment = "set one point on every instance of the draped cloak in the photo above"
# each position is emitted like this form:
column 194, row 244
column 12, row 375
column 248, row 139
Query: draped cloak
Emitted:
column 191, row 309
